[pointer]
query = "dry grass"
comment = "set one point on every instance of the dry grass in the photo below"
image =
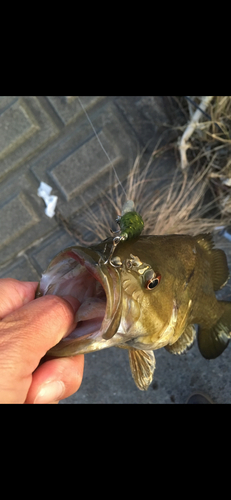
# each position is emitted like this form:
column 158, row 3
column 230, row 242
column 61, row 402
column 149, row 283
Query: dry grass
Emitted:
column 210, row 144
column 177, row 205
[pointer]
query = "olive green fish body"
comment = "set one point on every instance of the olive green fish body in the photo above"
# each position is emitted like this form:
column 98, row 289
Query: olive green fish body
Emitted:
column 189, row 269
column 160, row 287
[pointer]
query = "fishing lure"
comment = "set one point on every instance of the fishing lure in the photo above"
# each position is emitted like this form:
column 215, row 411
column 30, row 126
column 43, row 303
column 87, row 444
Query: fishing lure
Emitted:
column 131, row 226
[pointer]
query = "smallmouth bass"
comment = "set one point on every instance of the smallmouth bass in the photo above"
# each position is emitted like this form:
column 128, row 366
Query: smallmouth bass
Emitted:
column 151, row 294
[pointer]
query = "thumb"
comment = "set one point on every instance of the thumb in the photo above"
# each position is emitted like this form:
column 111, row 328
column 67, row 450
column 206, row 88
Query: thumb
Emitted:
column 29, row 332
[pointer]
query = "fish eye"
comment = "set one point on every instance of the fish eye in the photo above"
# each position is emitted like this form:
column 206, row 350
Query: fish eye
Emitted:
column 151, row 279
column 152, row 283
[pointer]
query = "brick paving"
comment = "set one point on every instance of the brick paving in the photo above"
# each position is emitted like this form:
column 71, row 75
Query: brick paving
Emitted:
column 47, row 138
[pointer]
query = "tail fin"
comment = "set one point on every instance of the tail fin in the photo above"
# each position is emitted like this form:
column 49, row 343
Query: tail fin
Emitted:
column 213, row 341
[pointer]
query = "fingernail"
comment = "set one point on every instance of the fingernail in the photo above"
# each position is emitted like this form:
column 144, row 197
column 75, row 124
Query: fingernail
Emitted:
column 50, row 392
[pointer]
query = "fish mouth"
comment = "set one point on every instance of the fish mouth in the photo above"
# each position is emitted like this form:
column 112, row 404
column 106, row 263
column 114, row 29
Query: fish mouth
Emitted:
column 81, row 273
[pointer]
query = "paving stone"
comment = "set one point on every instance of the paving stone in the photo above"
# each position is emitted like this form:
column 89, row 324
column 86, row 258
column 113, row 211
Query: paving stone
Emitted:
column 72, row 178
column 15, row 127
column 146, row 114
column 22, row 218
column 25, row 129
column 78, row 167
column 6, row 101
column 49, row 248
column 68, row 107
column 22, row 214
column 21, row 269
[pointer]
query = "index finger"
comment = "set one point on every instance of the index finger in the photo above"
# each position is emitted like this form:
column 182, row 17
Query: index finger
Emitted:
column 15, row 294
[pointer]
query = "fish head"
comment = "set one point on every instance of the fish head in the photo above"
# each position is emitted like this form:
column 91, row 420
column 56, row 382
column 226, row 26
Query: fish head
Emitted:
column 149, row 308
column 127, row 300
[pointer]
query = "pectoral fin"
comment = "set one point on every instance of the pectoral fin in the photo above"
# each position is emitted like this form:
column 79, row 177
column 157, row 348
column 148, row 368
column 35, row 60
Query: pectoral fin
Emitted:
column 184, row 342
column 142, row 365
column 213, row 341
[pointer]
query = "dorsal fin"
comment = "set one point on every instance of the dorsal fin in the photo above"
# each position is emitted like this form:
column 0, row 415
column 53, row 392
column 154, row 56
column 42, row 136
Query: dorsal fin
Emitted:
column 220, row 270
column 217, row 259
column 205, row 241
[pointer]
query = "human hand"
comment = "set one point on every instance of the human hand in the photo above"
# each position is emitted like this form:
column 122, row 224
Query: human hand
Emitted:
column 28, row 329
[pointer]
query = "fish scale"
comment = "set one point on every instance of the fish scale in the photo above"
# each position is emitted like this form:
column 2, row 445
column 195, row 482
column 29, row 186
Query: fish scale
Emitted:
column 184, row 271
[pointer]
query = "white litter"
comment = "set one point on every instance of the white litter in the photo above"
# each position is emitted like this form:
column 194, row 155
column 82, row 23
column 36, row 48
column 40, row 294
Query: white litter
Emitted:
column 227, row 182
column 44, row 191
column 224, row 233
column 227, row 235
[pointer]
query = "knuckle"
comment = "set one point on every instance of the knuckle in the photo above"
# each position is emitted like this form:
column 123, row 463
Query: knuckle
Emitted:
column 58, row 307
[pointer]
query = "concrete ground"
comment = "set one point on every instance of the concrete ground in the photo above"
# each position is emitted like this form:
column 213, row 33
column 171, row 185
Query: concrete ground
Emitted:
column 47, row 138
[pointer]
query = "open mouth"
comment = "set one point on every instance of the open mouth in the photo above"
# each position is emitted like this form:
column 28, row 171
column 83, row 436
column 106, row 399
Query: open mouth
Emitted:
column 77, row 272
